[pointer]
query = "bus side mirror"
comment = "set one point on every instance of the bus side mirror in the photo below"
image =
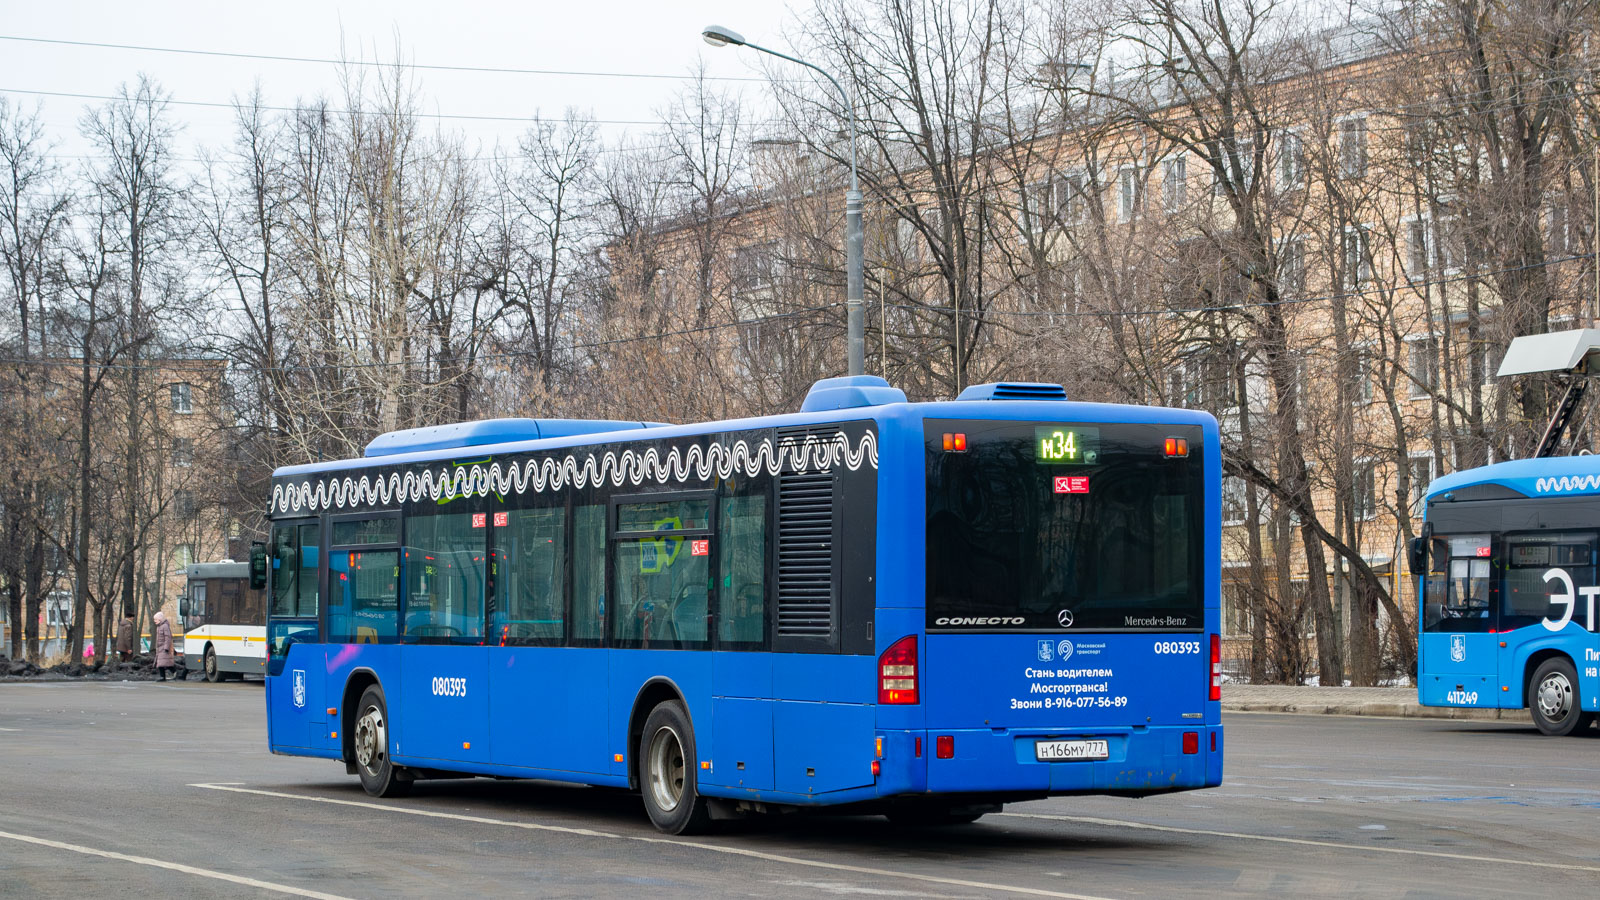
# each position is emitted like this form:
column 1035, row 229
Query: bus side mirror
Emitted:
column 258, row 565
column 1417, row 556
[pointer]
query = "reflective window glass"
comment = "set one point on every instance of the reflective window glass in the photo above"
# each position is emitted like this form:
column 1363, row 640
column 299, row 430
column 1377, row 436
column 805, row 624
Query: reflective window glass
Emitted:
column 588, row 573
column 530, row 576
column 445, row 577
column 364, row 607
column 742, row 551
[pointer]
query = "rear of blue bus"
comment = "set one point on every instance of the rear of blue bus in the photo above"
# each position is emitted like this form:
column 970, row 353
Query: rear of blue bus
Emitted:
column 1067, row 638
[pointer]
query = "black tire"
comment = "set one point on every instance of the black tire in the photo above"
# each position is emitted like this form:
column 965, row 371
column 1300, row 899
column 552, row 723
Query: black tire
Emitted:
column 667, row 772
column 212, row 670
column 369, row 734
column 1553, row 698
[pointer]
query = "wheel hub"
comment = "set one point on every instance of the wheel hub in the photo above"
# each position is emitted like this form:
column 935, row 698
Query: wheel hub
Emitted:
column 371, row 740
column 1555, row 697
column 666, row 769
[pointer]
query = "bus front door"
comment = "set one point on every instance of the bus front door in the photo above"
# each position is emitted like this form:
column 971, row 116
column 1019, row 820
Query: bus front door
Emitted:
column 1459, row 654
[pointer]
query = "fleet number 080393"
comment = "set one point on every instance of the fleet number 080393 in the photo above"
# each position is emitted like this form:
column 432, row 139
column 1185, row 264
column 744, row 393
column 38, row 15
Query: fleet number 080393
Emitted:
column 1178, row 647
column 449, row 687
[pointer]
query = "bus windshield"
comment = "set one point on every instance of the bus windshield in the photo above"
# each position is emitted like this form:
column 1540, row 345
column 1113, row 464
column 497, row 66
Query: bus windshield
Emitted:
column 1036, row 526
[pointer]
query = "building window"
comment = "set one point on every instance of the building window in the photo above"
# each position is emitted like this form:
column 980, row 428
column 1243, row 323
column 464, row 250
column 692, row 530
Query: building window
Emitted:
column 1364, row 498
column 1071, row 204
column 1292, row 268
column 182, row 400
column 182, row 556
column 1422, row 475
column 1421, row 354
column 1173, row 182
column 1353, row 148
column 1357, row 258
column 183, row 504
column 1235, row 500
column 1366, row 379
column 182, row 452
column 1128, row 194
column 1291, row 162
column 1557, row 236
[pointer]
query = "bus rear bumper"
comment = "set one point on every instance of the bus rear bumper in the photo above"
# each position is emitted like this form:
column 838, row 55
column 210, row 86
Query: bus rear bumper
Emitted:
column 1139, row 761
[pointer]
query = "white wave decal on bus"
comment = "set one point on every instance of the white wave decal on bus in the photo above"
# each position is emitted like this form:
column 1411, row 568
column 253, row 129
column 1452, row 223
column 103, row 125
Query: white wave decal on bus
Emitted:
column 541, row 475
column 1567, row 483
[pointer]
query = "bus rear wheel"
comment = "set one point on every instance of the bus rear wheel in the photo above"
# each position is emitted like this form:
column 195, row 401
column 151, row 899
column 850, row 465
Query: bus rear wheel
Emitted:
column 380, row 777
column 213, row 673
column 667, row 772
column 1553, row 698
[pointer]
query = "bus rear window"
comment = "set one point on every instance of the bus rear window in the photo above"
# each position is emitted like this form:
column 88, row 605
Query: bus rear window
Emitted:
column 1113, row 544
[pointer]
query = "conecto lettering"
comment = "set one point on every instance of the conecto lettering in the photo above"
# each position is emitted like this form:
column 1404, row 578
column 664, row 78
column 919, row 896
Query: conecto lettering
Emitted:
column 980, row 620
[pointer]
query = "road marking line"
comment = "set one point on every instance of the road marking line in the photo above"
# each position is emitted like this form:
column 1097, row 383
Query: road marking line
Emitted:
column 10, row 729
column 176, row 867
column 1439, row 854
column 714, row 848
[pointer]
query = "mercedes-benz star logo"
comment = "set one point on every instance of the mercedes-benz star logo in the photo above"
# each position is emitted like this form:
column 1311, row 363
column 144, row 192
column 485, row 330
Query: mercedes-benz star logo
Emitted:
column 1064, row 618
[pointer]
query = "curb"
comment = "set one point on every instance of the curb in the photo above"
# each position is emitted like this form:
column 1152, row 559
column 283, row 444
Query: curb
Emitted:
column 1384, row 710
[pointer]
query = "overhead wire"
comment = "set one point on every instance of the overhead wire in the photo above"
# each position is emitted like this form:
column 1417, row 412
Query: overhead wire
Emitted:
column 432, row 67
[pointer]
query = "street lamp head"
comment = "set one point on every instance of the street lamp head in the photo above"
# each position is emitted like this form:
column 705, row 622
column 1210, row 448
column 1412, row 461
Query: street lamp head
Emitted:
column 717, row 36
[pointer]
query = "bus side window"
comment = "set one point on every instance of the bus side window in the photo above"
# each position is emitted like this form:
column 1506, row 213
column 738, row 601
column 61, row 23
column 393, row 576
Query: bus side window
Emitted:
column 445, row 584
column 530, row 583
column 588, row 573
column 742, row 548
column 285, row 569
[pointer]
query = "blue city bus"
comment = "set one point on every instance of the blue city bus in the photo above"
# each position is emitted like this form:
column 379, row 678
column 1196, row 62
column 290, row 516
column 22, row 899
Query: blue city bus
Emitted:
column 1508, row 586
column 918, row 610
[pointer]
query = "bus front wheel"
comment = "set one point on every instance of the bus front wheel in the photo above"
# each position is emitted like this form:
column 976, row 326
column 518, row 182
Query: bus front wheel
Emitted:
column 1553, row 698
column 213, row 673
column 380, row 777
column 667, row 772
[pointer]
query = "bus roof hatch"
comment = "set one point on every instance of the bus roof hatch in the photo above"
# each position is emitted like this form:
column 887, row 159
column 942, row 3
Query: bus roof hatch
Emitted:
column 489, row 431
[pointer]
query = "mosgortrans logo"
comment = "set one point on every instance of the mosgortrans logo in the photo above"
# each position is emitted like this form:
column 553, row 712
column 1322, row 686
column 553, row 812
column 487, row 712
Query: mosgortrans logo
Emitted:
column 955, row 621
column 1567, row 483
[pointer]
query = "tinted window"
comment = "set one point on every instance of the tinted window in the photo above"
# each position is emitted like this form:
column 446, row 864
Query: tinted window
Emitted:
column 1526, row 597
column 365, row 606
column 742, row 554
column 530, row 577
column 1115, row 543
column 664, row 515
column 292, row 564
column 366, row 531
column 588, row 573
column 445, row 567
column 1458, row 589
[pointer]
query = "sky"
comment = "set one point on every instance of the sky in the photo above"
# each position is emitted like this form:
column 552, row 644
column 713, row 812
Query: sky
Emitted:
column 622, row 36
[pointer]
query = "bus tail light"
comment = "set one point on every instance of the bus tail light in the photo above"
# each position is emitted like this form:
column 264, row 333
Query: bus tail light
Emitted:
column 1216, row 666
column 1191, row 742
column 944, row 746
column 897, row 672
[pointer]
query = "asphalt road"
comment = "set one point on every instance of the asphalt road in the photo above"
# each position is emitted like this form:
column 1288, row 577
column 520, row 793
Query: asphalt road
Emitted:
column 167, row 790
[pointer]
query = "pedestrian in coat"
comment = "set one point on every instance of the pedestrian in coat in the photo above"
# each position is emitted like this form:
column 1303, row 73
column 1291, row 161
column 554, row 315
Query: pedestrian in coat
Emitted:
column 164, row 663
column 125, row 637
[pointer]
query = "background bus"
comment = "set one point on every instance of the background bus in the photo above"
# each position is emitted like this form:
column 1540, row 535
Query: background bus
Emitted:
column 224, row 621
column 925, row 610
column 1508, row 590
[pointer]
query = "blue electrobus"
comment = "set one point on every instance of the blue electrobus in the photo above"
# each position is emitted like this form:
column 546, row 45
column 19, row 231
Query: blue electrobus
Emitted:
column 922, row 610
column 1508, row 587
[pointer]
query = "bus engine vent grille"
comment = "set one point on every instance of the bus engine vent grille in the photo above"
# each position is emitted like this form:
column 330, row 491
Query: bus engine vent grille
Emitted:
column 805, row 554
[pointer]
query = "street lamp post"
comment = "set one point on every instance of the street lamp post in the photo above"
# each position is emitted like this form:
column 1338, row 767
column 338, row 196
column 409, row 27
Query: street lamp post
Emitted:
column 855, row 326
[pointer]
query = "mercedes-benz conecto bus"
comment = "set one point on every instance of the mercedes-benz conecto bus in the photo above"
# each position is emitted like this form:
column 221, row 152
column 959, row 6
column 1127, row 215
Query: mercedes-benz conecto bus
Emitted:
column 1507, row 568
column 224, row 621
column 923, row 610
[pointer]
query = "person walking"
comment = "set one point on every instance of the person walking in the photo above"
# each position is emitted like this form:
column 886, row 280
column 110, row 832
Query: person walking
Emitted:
column 125, row 637
column 163, row 645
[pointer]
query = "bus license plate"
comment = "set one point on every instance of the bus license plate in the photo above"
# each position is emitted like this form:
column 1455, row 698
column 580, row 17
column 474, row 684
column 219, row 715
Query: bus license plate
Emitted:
column 1057, row 751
